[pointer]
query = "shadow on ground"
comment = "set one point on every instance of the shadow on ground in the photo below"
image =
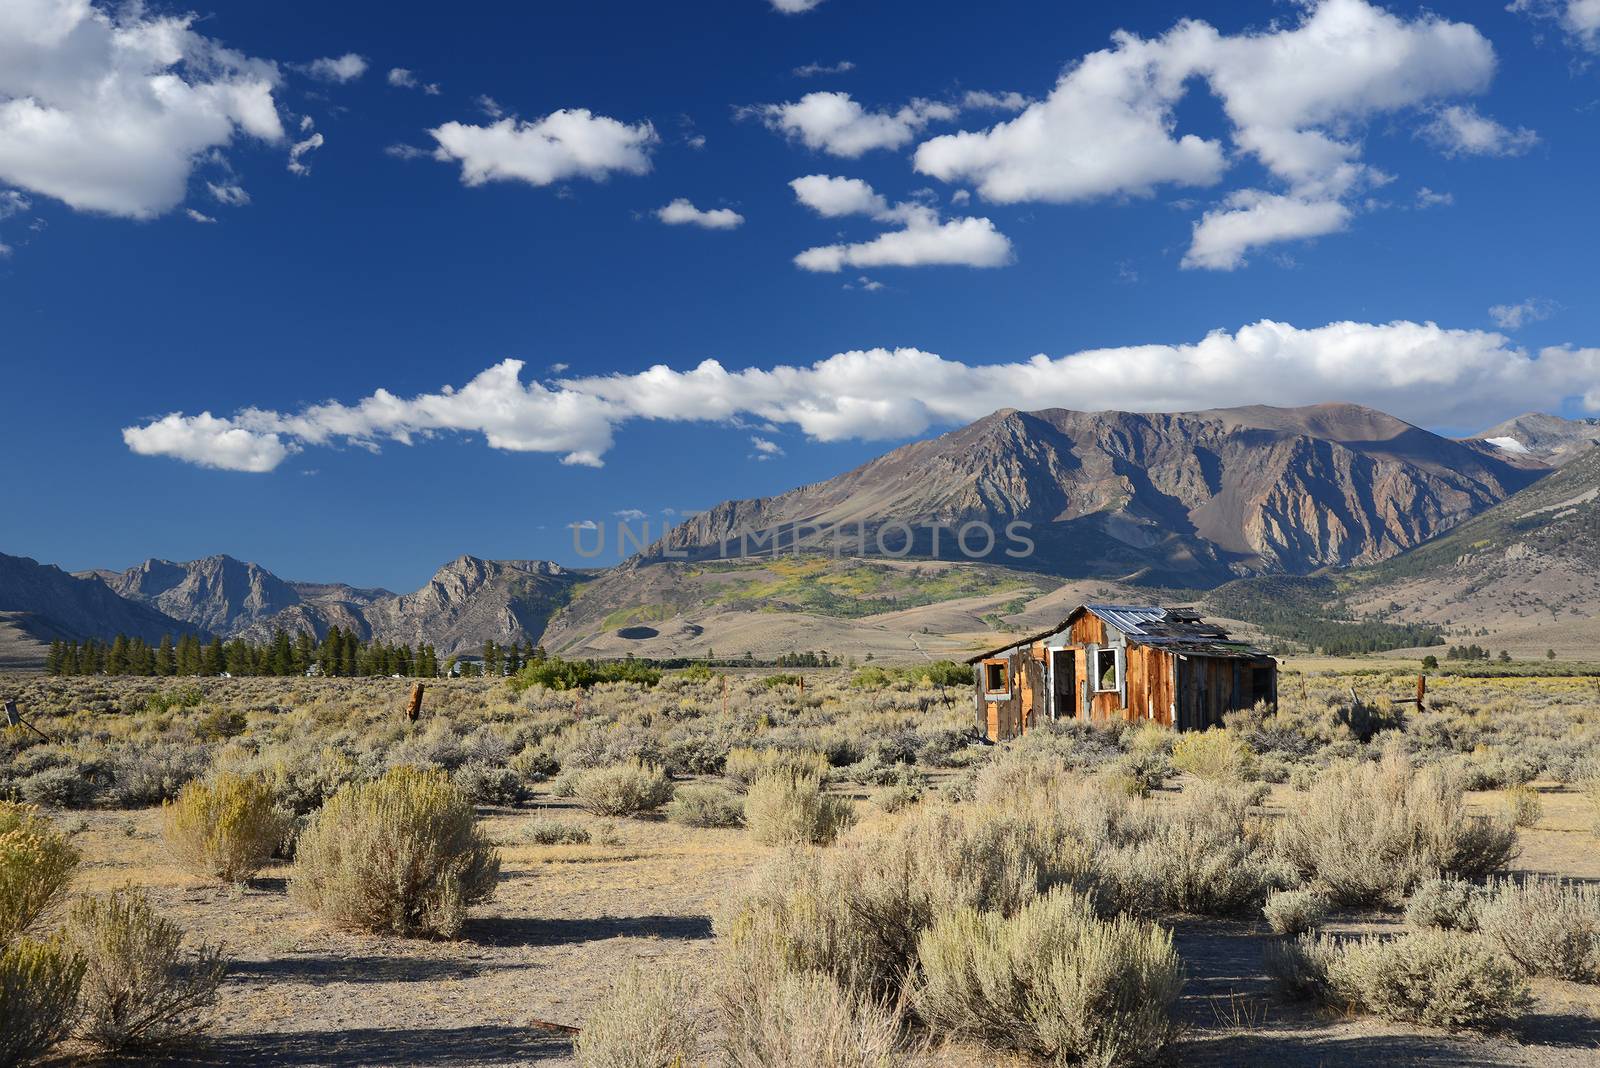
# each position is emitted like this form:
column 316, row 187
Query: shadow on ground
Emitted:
column 451, row 1047
column 531, row 931
column 319, row 970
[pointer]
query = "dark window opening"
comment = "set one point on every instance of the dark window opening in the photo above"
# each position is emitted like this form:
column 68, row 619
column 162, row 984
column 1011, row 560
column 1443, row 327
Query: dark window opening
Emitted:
column 1105, row 670
column 994, row 677
column 1260, row 684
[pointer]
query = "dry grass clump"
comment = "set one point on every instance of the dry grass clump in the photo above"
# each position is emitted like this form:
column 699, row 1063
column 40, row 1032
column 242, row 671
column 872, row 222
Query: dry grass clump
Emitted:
column 629, row 789
column 541, row 830
column 400, row 854
column 1052, row 980
column 1524, row 807
column 646, row 1022
column 785, row 809
column 745, row 765
column 140, row 988
column 1547, row 926
column 1369, row 833
column 1215, row 755
column 226, row 829
column 36, row 864
column 1294, row 912
column 1439, row 978
column 706, row 805
column 39, row 983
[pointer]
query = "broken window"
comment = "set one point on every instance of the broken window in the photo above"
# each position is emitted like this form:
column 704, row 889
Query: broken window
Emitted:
column 994, row 677
column 1107, row 670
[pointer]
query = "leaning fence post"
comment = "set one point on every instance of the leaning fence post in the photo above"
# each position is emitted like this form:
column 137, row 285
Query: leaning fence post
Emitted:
column 414, row 706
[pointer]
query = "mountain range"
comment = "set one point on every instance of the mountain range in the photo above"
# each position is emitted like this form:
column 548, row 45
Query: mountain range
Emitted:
column 1187, row 499
column 1112, row 499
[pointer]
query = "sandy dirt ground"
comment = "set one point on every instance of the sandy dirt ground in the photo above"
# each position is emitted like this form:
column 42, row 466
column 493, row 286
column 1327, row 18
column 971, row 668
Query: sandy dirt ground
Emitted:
column 566, row 919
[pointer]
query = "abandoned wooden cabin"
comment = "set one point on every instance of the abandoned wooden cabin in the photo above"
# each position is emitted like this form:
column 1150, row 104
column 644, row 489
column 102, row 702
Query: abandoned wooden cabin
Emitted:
column 1113, row 661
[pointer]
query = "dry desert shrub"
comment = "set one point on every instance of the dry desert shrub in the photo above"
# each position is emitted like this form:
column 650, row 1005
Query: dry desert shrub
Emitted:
column 896, row 798
column 1439, row 978
column 1524, row 807
column 648, row 1021
column 140, row 987
column 36, row 864
column 706, row 805
column 1446, row 904
column 1591, row 793
column 401, row 854
column 39, row 982
column 1203, row 854
column 785, row 809
column 1369, row 833
column 856, row 912
column 1215, row 755
column 1549, row 927
column 226, row 829
column 746, row 765
column 630, row 789
column 151, row 774
column 1052, row 980
column 769, row 1017
column 1294, row 912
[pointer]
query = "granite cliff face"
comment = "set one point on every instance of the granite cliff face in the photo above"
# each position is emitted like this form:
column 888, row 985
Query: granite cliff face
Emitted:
column 1185, row 498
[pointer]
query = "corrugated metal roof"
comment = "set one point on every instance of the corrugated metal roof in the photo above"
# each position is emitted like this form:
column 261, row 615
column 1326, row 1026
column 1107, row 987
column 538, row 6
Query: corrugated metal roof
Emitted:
column 1180, row 630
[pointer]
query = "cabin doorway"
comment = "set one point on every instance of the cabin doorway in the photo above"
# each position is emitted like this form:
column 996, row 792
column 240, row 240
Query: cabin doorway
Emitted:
column 1063, row 684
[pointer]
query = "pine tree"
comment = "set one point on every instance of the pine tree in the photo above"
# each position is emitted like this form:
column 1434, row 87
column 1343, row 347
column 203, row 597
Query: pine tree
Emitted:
column 117, row 659
column 166, row 662
column 214, row 661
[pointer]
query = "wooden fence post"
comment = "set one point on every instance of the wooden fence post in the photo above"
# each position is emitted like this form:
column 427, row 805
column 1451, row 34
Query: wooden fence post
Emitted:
column 414, row 706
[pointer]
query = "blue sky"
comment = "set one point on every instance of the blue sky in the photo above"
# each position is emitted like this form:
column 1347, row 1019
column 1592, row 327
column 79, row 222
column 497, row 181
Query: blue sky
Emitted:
column 1368, row 203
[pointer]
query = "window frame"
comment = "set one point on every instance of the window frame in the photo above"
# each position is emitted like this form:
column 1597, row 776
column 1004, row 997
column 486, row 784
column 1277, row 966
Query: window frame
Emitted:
column 1004, row 692
column 1117, row 669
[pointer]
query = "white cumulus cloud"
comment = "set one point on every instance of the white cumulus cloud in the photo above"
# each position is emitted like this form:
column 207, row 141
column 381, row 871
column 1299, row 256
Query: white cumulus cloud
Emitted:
column 1419, row 371
column 209, row 442
column 831, row 197
column 1295, row 97
column 1251, row 218
column 107, row 109
column 836, row 124
column 795, row 7
column 570, row 143
column 923, row 240
column 341, row 69
column 682, row 212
